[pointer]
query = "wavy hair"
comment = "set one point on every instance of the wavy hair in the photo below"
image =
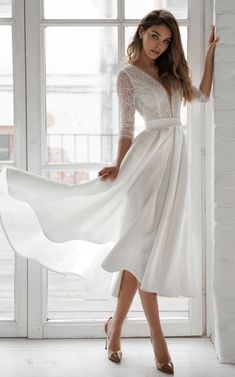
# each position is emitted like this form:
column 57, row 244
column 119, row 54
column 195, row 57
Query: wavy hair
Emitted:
column 172, row 66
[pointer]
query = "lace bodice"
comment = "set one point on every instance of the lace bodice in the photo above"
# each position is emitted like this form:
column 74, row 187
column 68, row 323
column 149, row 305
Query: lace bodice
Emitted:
column 137, row 90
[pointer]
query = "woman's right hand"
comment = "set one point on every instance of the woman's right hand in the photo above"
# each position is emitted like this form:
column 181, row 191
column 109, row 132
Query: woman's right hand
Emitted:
column 109, row 172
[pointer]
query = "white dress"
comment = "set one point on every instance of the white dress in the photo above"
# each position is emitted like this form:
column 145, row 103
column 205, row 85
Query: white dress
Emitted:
column 140, row 221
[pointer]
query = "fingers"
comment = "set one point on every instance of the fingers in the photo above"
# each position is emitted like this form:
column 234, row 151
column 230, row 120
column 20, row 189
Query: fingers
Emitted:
column 108, row 172
column 212, row 35
column 212, row 41
column 108, row 175
column 213, row 44
column 105, row 173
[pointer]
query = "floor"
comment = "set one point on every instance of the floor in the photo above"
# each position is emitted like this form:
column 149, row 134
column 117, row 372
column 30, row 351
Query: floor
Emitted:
column 192, row 357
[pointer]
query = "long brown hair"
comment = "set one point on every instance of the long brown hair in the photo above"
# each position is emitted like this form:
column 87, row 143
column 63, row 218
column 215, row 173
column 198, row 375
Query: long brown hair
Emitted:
column 172, row 66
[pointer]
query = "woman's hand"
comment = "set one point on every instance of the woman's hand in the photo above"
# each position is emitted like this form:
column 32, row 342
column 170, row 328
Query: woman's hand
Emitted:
column 212, row 41
column 109, row 172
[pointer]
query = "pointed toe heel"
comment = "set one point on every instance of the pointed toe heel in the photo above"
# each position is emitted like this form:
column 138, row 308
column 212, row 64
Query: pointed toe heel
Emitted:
column 167, row 367
column 114, row 356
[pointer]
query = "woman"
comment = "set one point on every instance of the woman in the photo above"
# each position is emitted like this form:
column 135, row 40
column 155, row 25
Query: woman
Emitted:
column 137, row 222
column 156, row 66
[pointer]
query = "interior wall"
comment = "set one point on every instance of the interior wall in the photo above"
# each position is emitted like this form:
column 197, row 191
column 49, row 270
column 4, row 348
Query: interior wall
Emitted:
column 223, row 261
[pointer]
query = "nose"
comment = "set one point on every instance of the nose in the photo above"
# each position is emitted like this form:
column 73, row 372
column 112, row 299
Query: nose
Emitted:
column 158, row 44
column 158, row 47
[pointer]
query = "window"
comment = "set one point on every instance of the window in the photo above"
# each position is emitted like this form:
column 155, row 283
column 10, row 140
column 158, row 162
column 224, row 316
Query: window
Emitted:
column 72, row 131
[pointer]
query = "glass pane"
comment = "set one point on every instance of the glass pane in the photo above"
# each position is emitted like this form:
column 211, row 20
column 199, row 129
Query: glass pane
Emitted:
column 6, row 95
column 71, row 9
column 72, row 176
column 5, row 8
column 137, row 9
column 66, row 302
column 6, row 278
column 81, row 95
column 67, row 298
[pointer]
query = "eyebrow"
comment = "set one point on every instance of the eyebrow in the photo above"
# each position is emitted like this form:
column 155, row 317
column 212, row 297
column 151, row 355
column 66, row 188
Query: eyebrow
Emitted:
column 160, row 34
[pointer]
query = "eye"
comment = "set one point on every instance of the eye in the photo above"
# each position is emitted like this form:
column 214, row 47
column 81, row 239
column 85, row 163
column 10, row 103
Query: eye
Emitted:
column 155, row 36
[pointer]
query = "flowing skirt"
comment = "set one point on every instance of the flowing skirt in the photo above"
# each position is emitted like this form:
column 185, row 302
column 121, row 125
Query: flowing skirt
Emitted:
column 140, row 222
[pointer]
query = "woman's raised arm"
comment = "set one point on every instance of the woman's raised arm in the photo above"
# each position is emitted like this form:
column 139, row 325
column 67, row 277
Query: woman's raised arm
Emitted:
column 206, row 82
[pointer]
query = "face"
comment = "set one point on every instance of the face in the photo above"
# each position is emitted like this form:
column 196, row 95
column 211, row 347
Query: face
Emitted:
column 155, row 40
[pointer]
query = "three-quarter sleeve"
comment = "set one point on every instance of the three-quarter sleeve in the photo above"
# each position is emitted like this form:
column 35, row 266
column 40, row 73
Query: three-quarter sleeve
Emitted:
column 198, row 95
column 126, row 97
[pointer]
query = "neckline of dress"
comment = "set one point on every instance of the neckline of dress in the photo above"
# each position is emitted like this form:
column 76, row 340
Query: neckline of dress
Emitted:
column 155, row 80
column 147, row 74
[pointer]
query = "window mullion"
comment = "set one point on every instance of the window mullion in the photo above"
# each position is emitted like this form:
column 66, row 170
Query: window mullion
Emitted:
column 36, row 287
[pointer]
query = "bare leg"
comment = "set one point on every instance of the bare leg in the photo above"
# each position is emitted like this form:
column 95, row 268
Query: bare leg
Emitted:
column 128, row 288
column 150, row 306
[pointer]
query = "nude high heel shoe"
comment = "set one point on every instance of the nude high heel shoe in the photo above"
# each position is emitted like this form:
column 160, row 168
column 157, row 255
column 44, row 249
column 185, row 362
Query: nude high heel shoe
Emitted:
column 166, row 367
column 112, row 355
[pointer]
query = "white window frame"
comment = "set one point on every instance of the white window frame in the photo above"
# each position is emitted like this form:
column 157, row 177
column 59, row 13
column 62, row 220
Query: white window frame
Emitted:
column 38, row 326
column 18, row 326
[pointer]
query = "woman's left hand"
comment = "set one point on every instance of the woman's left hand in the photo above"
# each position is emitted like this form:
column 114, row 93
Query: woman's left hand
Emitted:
column 212, row 41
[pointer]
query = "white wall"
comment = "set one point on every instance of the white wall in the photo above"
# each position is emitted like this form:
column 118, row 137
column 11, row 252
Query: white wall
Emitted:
column 224, row 184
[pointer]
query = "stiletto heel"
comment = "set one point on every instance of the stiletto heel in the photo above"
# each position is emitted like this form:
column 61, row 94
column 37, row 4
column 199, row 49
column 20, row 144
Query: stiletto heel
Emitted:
column 166, row 367
column 105, row 347
column 112, row 355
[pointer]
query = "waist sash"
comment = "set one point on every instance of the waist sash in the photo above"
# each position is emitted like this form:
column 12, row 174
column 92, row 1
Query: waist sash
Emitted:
column 163, row 123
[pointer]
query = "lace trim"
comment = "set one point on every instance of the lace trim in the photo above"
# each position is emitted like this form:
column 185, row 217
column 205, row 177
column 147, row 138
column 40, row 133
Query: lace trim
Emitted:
column 198, row 95
column 126, row 97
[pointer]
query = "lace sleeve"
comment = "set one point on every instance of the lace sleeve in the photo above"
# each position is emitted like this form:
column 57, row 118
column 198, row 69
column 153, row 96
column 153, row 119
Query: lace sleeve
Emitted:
column 198, row 95
column 126, row 97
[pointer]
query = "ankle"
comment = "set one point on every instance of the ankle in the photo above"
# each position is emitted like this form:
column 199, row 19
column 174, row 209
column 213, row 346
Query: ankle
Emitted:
column 157, row 334
column 116, row 325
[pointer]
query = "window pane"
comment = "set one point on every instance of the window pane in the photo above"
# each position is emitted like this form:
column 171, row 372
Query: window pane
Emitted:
column 81, row 100
column 88, row 9
column 5, row 8
column 138, row 9
column 67, row 296
column 66, row 302
column 72, row 176
column 6, row 94
column 6, row 278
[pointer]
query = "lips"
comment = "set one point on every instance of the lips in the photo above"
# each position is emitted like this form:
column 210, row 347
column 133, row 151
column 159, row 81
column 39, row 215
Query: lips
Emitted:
column 156, row 52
